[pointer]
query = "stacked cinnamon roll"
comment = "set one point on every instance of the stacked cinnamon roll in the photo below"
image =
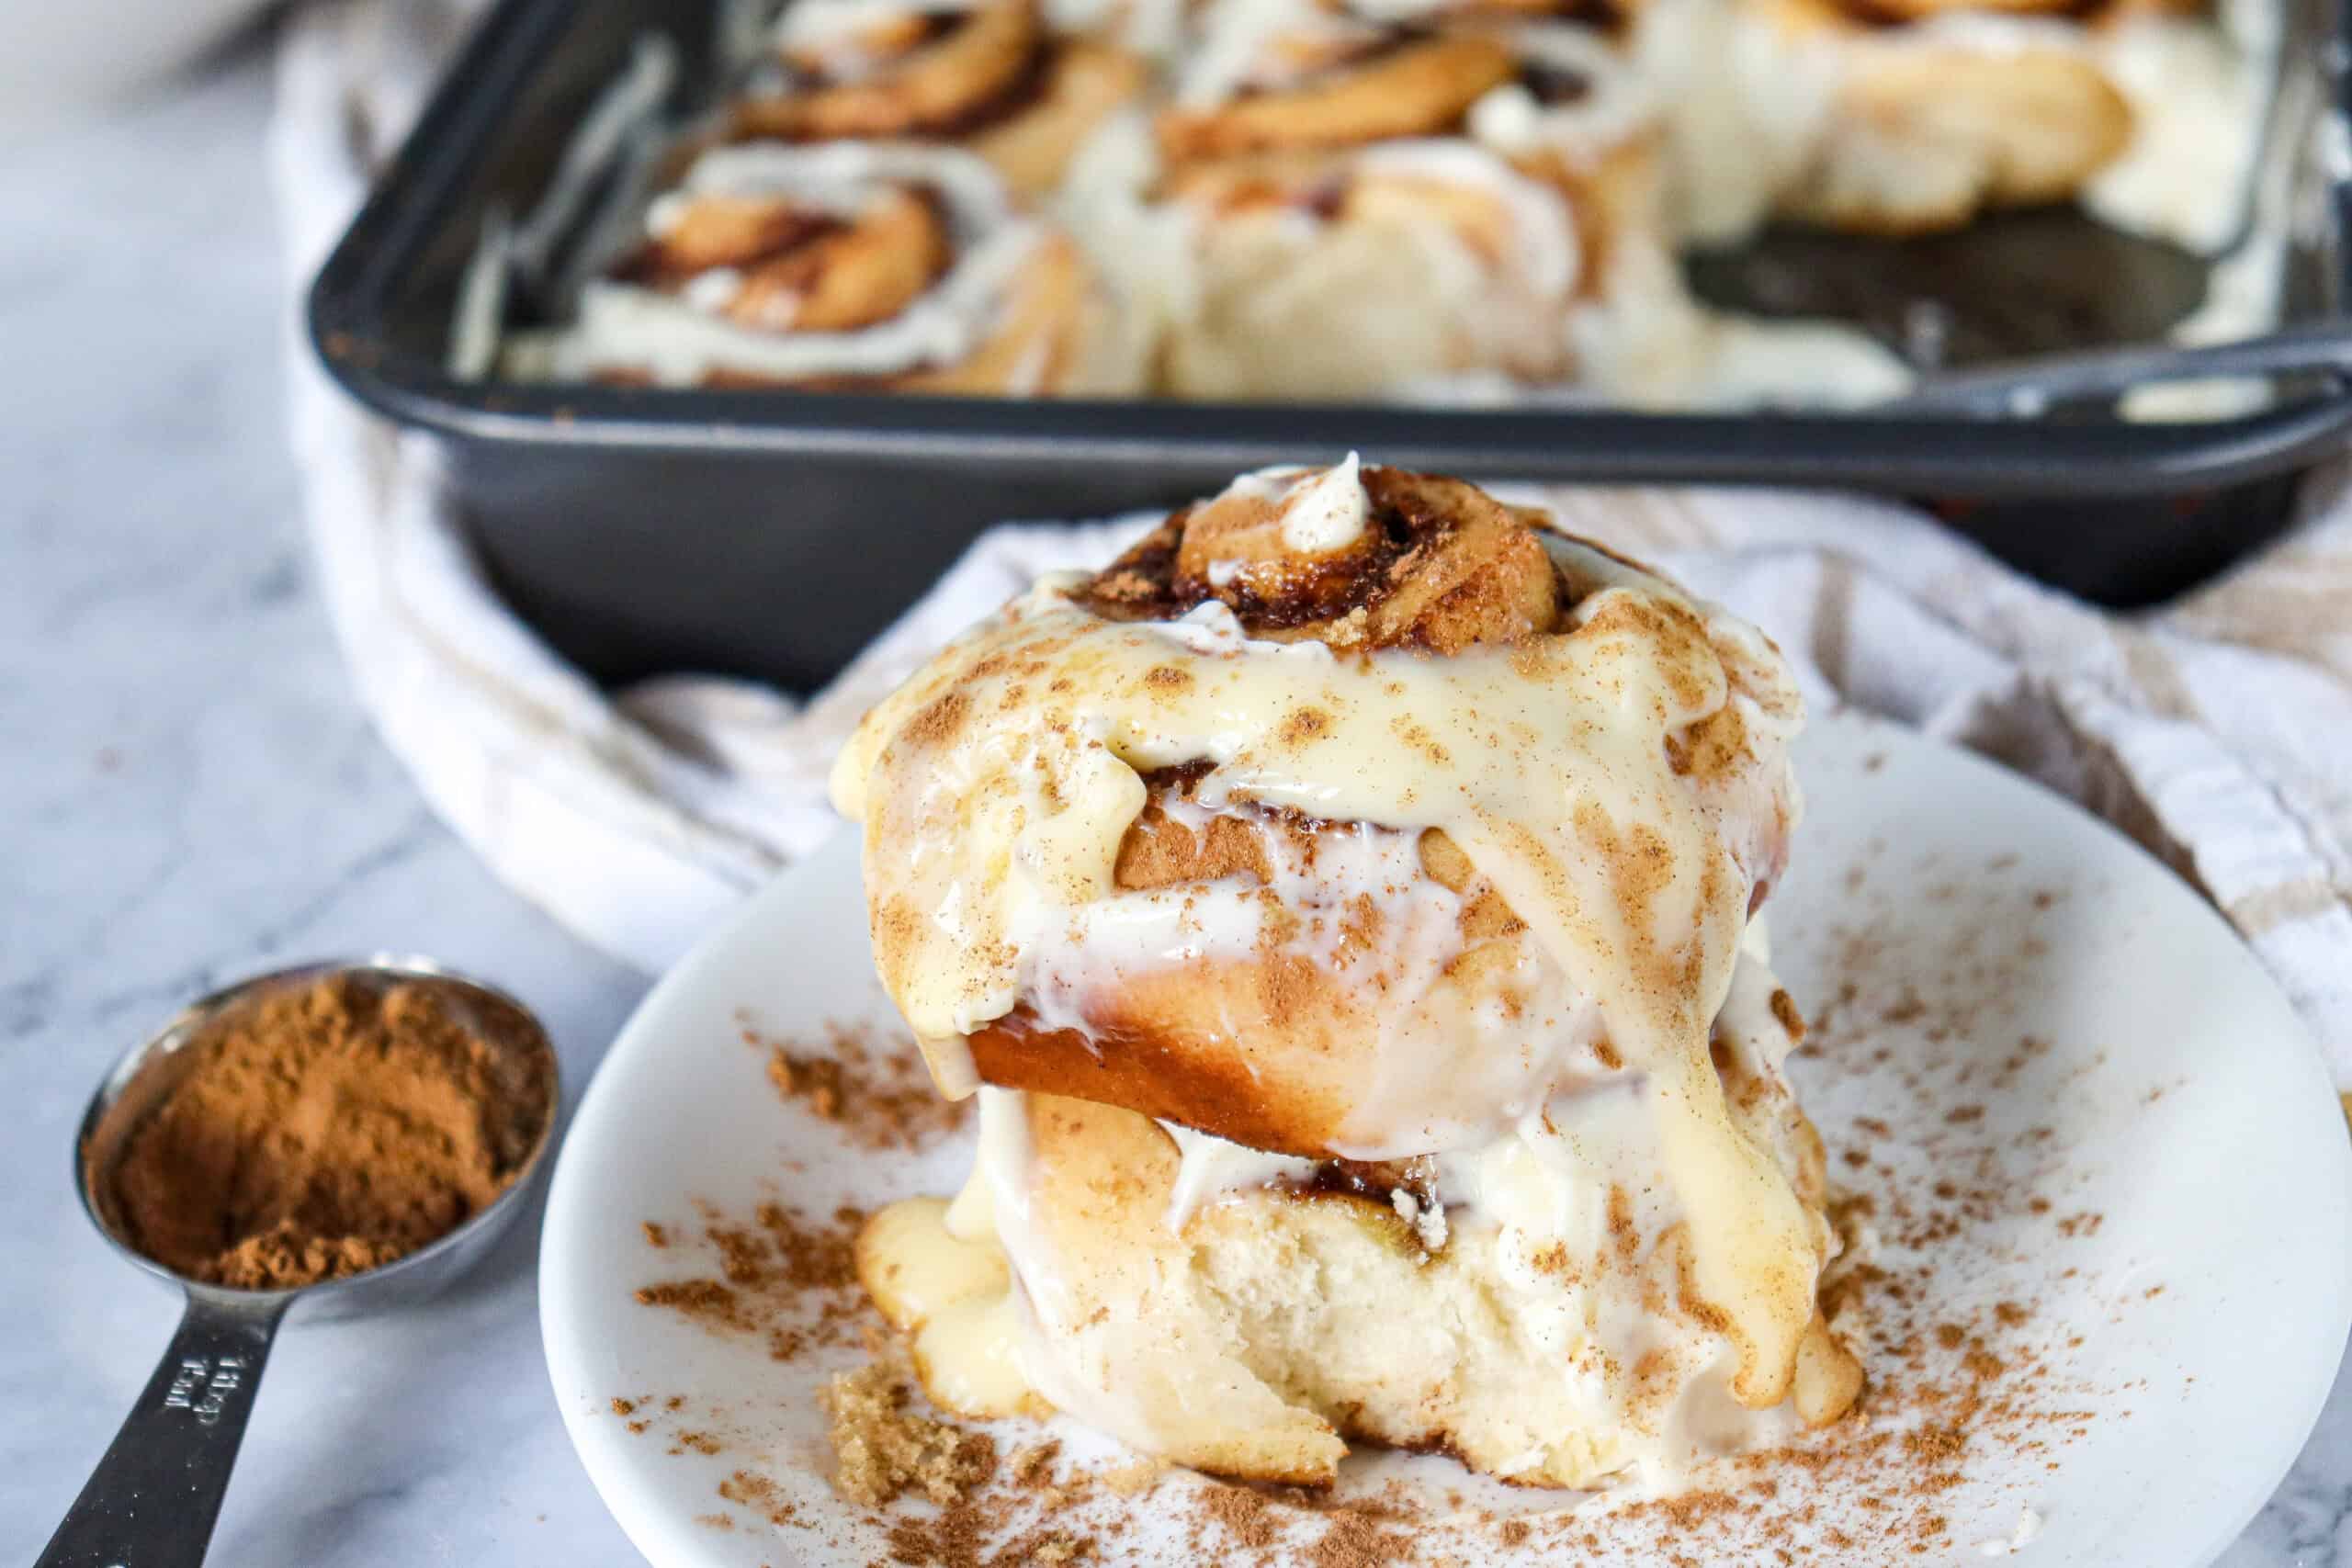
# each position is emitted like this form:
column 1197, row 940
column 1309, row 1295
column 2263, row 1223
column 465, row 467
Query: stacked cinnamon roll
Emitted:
column 1344, row 908
column 847, row 266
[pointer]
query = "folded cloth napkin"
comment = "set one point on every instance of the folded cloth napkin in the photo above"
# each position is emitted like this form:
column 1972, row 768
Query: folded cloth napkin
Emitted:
column 2217, row 732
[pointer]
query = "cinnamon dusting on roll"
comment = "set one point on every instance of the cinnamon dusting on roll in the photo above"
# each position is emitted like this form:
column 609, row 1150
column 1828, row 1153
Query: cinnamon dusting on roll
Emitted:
column 990, row 76
column 1475, row 816
column 851, row 267
column 1404, row 87
column 947, row 73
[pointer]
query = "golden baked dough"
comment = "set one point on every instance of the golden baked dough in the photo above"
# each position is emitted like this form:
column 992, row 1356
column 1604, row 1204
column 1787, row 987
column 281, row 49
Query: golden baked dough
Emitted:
column 855, row 267
column 1273, row 1050
column 1414, row 87
column 995, row 80
column 1341, row 906
column 936, row 86
column 1082, row 82
column 1040, row 339
column 1924, row 134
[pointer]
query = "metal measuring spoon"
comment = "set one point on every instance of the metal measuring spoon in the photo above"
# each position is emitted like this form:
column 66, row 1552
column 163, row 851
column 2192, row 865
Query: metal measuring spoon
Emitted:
column 152, row 1500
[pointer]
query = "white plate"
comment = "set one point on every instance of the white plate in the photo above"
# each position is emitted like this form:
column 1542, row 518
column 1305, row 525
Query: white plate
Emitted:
column 2145, row 1225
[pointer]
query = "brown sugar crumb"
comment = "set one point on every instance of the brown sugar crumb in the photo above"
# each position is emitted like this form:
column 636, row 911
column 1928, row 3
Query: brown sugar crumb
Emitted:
column 701, row 1442
column 951, row 1540
column 1516, row 1532
column 1049, row 1547
column 656, row 1236
column 882, row 1449
column 1132, row 1480
column 878, row 1092
column 624, row 1406
column 1034, row 1466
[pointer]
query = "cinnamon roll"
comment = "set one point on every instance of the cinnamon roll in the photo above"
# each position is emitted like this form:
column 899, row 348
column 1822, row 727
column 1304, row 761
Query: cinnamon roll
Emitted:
column 854, row 266
column 1344, row 906
column 990, row 76
column 1371, row 208
column 1930, row 112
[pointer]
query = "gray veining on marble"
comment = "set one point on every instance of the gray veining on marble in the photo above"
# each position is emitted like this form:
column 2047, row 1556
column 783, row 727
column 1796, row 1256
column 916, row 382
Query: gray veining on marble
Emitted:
column 189, row 793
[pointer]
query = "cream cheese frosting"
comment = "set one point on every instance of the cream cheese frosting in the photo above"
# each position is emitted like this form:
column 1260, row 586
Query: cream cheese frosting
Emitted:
column 680, row 340
column 1542, row 1300
column 1622, row 784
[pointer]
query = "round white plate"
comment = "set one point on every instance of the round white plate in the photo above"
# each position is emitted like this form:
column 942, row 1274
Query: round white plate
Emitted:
column 2108, row 1185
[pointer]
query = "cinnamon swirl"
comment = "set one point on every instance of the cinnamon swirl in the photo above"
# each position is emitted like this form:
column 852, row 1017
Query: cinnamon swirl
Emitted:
column 1354, row 882
column 1373, row 208
column 990, row 76
column 854, row 266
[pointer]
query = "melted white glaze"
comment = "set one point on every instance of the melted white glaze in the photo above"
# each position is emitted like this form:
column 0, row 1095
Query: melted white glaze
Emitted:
column 680, row 340
column 993, row 818
column 1322, row 510
column 1540, row 1206
column 1545, row 253
column 831, row 33
column 1260, row 43
column 1617, row 106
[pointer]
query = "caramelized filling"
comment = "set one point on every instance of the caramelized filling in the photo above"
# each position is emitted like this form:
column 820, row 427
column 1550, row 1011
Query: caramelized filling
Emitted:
column 1431, row 572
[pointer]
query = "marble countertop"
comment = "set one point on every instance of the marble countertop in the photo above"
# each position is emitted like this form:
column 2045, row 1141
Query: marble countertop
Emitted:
column 193, row 795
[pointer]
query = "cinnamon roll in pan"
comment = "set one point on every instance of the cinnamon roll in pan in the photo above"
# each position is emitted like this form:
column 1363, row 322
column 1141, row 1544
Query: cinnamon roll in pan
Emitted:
column 1378, row 87
column 992, row 77
column 1379, row 211
column 1933, row 113
column 1367, row 273
column 849, row 267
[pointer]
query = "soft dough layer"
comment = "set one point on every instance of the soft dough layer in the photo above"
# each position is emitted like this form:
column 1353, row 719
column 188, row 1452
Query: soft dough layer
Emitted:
column 1526, row 1306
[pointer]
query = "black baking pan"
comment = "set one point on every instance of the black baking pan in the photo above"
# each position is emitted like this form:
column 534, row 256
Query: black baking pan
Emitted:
column 774, row 534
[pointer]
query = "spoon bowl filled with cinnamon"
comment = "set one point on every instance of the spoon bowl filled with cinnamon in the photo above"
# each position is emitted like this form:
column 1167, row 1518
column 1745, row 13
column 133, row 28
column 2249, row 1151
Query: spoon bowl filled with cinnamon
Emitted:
column 334, row 1140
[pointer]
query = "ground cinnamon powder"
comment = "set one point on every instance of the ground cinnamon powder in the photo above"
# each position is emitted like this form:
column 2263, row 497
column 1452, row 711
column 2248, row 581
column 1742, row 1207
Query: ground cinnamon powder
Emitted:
column 328, row 1128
